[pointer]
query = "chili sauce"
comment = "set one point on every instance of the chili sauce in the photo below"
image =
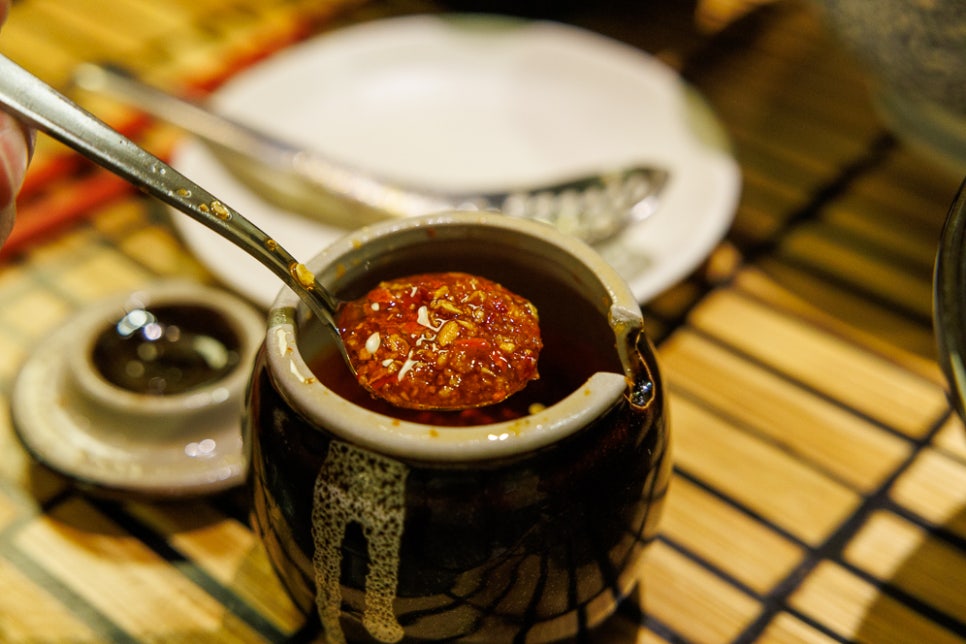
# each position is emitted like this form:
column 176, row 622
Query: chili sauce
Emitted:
column 442, row 341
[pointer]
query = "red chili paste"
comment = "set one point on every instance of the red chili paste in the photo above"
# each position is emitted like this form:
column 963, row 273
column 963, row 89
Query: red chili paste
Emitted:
column 442, row 341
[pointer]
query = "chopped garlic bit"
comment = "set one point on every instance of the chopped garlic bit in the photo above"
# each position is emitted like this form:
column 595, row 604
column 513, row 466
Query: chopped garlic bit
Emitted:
column 406, row 366
column 422, row 317
column 373, row 342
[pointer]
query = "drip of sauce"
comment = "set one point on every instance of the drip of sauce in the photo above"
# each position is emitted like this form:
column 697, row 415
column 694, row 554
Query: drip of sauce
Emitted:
column 442, row 341
column 166, row 350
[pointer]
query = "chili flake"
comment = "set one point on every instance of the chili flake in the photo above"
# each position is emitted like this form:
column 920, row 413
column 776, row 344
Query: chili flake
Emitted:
column 442, row 341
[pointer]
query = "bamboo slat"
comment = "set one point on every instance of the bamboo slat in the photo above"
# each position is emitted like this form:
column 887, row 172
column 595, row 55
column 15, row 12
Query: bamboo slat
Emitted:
column 847, row 446
column 827, row 304
column 717, row 531
column 823, row 362
column 120, row 576
column 952, row 438
column 759, row 475
column 226, row 550
column 819, row 491
column 932, row 487
column 855, row 610
column 31, row 610
column 830, row 251
column 693, row 602
column 788, row 629
column 910, row 559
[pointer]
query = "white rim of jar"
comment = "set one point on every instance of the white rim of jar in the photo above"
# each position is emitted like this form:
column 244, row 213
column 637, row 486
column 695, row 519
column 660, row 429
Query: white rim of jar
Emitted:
column 395, row 437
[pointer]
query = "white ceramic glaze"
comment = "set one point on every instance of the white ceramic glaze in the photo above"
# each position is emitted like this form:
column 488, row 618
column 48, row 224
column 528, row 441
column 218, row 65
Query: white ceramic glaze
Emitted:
column 391, row 436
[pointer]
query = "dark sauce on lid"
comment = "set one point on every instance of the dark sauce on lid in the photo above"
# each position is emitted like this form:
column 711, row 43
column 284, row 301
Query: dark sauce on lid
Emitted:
column 166, row 350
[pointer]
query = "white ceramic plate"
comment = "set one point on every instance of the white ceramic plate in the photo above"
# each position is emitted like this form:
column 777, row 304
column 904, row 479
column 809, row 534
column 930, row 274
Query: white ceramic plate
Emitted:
column 473, row 103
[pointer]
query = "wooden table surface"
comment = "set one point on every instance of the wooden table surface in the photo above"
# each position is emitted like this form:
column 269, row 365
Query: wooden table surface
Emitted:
column 819, row 492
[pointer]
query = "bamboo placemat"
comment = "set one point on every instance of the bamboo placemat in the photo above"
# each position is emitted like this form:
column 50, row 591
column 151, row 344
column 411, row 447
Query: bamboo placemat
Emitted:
column 820, row 478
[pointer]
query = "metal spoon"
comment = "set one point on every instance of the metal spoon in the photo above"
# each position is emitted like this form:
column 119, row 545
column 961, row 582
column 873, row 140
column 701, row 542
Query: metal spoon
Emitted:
column 593, row 208
column 29, row 98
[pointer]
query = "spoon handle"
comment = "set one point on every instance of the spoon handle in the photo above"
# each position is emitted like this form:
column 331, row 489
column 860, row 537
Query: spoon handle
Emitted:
column 29, row 98
column 190, row 117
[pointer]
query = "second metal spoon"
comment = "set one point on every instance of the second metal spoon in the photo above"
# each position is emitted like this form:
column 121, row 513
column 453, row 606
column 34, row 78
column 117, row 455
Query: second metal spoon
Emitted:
column 595, row 207
column 35, row 102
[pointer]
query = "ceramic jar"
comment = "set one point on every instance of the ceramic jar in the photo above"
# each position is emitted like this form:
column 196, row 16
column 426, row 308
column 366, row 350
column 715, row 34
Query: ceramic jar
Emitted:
column 526, row 520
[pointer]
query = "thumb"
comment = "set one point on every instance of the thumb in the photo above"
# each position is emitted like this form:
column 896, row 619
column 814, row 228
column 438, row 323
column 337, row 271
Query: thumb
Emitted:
column 15, row 149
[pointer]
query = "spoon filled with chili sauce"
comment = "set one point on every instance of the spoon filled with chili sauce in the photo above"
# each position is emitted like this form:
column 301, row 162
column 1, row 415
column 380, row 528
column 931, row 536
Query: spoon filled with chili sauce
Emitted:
column 442, row 341
column 436, row 341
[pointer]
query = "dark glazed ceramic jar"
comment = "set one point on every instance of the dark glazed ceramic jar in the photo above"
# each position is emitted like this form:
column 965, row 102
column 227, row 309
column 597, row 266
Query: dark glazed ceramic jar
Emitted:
column 526, row 520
